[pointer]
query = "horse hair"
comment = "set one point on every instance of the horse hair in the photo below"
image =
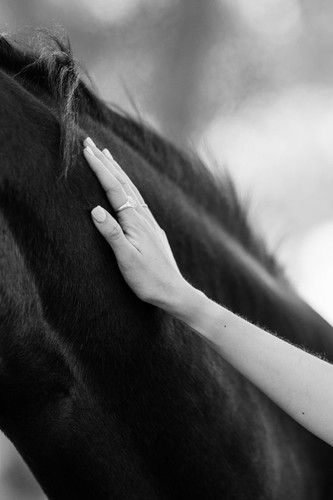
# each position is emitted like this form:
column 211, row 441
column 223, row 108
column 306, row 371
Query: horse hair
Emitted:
column 51, row 67
column 105, row 396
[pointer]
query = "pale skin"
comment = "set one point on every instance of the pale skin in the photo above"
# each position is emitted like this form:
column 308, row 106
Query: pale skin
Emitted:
column 300, row 383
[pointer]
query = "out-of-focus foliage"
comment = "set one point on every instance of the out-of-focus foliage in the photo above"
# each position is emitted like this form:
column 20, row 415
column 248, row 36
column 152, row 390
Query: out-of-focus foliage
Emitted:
column 248, row 83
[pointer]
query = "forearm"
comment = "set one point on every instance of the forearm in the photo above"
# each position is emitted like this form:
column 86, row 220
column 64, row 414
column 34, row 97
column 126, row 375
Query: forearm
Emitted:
column 298, row 382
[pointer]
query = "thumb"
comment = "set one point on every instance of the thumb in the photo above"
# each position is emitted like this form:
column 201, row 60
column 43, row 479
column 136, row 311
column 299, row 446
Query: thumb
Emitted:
column 110, row 229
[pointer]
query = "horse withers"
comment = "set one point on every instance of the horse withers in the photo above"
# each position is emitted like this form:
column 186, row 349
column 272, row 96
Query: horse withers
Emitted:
column 103, row 395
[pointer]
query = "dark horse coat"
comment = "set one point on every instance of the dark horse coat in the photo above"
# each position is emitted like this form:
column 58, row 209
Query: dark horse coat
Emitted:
column 105, row 396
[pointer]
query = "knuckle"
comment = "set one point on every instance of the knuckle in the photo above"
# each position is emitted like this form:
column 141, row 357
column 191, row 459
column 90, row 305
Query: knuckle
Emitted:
column 141, row 219
column 121, row 180
column 113, row 231
column 144, row 224
column 126, row 216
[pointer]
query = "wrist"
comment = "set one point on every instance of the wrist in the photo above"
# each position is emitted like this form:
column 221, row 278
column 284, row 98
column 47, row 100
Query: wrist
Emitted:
column 196, row 310
column 185, row 302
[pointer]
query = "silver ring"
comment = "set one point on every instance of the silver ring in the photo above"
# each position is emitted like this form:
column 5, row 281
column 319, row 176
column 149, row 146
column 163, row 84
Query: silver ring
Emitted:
column 130, row 203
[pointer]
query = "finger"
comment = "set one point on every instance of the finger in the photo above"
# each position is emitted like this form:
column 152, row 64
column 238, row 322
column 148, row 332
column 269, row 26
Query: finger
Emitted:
column 123, row 174
column 108, row 161
column 112, row 187
column 110, row 165
column 144, row 210
column 129, row 187
column 111, row 230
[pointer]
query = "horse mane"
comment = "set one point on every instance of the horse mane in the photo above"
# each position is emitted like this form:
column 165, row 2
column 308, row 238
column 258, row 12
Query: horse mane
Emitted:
column 47, row 65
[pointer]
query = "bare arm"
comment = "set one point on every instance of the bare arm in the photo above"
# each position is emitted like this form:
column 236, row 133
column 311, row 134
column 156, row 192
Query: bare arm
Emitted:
column 300, row 383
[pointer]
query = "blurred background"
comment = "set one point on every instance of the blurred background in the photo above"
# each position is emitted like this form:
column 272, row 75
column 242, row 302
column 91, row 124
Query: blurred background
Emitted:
column 248, row 83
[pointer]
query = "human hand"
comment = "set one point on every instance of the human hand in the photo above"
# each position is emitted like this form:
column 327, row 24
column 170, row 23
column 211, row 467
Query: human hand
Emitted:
column 140, row 245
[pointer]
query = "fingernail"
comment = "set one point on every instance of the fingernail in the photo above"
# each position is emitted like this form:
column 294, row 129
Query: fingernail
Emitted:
column 98, row 214
column 107, row 153
column 90, row 141
column 89, row 150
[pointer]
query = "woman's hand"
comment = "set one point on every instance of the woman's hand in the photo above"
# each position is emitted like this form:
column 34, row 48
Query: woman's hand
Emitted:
column 140, row 245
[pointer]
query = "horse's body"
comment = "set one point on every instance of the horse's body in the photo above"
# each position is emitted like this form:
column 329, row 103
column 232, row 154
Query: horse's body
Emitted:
column 103, row 395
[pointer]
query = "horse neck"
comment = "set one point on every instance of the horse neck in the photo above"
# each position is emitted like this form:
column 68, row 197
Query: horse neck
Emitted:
column 49, row 411
column 115, row 403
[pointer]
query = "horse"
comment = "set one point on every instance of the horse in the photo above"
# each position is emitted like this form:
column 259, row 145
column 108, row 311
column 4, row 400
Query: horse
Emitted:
column 105, row 396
